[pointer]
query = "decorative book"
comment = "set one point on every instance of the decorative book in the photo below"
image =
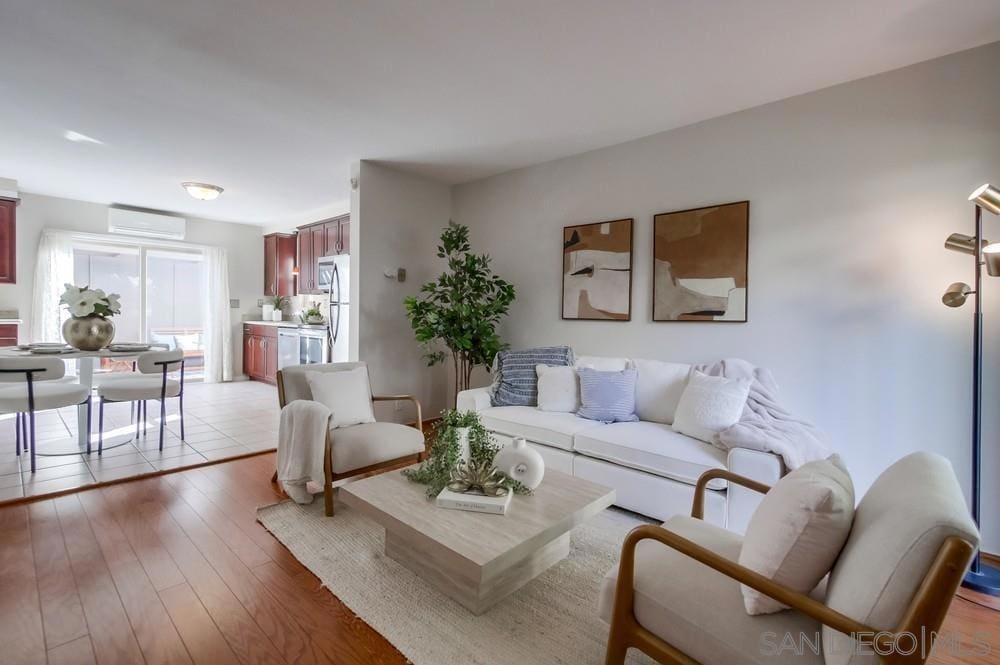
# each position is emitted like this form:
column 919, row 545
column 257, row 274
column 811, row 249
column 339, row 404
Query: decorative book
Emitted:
column 478, row 503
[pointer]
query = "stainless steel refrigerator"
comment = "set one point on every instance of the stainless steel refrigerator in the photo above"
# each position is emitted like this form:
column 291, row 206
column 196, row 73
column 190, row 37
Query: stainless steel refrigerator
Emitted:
column 338, row 318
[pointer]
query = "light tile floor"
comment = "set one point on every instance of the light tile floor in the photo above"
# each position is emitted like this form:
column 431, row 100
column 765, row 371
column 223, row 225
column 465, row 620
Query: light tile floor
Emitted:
column 221, row 420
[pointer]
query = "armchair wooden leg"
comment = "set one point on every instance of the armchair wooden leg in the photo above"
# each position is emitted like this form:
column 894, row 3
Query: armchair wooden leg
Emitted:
column 328, row 476
column 617, row 645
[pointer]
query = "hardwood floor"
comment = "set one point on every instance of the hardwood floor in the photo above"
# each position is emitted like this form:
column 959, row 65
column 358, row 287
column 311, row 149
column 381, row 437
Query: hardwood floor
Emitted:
column 176, row 569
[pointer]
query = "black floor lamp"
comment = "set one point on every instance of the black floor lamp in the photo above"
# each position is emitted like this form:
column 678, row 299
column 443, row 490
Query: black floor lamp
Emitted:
column 981, row 577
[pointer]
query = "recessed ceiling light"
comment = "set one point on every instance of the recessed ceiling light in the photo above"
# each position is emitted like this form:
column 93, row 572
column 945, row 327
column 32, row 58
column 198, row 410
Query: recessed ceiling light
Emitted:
column 202, row 191
column 77, row 137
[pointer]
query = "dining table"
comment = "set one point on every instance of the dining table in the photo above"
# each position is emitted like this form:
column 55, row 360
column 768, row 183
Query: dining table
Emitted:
column 85, row 374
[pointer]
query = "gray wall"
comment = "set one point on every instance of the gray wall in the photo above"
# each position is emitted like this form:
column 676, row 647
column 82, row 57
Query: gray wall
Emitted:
column 396, row 219
column 37, row 212
column 853, row 190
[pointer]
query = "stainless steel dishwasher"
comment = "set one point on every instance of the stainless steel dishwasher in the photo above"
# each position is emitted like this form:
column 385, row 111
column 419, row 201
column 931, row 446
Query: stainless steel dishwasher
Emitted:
column 288, row 347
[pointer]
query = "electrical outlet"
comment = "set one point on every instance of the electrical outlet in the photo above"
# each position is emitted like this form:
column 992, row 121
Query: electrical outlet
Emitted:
column 234, row 303
column 260, row 302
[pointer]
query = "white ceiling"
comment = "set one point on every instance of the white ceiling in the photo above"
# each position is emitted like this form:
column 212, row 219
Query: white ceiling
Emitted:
column 274, row 100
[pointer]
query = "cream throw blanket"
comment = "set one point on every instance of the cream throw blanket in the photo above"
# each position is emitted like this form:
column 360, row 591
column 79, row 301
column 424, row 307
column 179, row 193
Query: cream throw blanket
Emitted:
column 766, row 425
column 301, row 442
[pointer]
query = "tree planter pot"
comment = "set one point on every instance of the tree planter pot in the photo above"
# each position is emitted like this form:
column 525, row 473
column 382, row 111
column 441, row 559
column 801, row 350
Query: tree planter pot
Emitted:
column 88, row 333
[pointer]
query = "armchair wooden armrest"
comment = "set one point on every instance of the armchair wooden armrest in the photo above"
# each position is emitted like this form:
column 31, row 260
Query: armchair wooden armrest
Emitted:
column 923, row 616
column 391, row 398
column 698, row 506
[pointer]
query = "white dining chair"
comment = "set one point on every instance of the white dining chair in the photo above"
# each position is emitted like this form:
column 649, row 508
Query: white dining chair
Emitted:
column 35, row 385
column 151, row 382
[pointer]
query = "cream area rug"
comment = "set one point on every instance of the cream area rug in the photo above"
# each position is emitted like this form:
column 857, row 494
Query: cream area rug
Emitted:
column 551, row 620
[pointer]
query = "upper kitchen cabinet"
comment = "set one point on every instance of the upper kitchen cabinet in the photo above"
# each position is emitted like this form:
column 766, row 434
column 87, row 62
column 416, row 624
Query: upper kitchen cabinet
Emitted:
column 326, row 238
column 279, row 261
column 8, row 241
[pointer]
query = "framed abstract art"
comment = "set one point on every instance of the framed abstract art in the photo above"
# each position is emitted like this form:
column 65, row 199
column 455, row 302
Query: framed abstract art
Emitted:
column 700, row 263
column 597, row 271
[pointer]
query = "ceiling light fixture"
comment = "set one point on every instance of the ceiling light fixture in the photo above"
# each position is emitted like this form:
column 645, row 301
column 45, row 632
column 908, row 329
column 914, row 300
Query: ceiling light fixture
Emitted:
column 201, row 190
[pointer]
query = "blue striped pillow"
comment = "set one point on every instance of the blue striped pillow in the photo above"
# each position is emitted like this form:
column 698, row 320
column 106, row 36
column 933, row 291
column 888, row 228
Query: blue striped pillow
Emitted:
column 608, row 397
column 516, row 382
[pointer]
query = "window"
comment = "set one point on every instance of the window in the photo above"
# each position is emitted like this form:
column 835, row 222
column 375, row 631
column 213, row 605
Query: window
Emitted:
column 162, row 294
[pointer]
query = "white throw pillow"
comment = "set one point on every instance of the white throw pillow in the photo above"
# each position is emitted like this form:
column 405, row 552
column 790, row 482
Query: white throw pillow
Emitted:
column 346, row 393
column 709, row 405
column 603, row 363
column 658, row 389
column 798, row 530
column 558, row 389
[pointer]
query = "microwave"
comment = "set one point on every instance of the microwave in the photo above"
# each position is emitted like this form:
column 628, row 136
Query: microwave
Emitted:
column 324, row 272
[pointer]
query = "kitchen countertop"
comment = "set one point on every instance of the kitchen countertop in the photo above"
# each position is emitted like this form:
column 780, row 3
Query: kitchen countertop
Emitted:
column 287, row 324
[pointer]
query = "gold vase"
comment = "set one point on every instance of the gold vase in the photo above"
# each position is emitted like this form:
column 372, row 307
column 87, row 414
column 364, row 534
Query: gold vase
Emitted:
column 88, row 333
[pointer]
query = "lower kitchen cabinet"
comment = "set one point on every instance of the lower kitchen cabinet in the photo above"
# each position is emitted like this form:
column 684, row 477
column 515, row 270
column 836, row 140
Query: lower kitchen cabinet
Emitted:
column 260, row 353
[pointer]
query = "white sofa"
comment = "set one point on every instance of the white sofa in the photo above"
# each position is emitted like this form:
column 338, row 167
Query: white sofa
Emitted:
column 652, row 468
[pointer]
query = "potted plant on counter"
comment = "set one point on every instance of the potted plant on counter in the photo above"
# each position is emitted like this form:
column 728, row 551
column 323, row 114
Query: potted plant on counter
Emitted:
column 89, row 327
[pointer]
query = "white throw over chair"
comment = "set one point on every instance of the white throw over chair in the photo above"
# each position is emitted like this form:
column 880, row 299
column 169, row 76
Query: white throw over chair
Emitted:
column 34, row 385
column 151, row 382
column 356, row 449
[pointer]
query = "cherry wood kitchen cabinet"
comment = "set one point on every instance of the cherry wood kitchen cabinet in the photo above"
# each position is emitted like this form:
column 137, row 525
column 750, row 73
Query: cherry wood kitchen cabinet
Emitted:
column 279, row 260
column 8, row 241
column 260, row 352
column 8, row 334
column 326, row 238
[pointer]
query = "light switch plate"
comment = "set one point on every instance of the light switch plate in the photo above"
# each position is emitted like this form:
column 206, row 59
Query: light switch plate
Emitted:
column 234, row 303
column 401, row 275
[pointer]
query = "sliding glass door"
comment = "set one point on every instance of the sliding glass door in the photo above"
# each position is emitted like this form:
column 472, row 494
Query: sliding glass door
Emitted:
column 175, row 287
column 162, row 295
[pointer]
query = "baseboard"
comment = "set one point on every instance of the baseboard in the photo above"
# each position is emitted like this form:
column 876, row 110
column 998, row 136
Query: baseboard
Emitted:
column 992, row 559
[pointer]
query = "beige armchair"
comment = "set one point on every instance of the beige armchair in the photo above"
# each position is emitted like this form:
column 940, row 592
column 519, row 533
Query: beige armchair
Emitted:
column 356, row 450
column 675, row 594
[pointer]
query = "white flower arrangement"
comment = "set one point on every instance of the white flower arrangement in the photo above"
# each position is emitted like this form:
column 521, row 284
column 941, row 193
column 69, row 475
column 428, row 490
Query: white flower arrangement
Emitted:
column 84, row 301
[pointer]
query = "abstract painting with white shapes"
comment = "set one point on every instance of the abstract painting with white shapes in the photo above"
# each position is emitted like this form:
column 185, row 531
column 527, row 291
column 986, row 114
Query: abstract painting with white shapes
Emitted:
column 597, row 271
column 700, row 263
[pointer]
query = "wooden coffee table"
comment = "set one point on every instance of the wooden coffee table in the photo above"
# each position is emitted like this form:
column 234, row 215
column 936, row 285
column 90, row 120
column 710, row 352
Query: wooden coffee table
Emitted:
column 476, row 558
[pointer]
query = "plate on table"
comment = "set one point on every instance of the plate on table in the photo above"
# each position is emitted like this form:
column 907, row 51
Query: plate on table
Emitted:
column 131, row 347
column 44, row 345
column 50, row 350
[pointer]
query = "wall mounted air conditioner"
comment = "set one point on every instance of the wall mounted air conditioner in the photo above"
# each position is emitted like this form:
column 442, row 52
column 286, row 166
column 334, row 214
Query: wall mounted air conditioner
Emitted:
column 147, row 224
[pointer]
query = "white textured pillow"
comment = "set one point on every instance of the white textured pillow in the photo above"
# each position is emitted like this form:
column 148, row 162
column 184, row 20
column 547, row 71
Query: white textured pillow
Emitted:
column 798, row 530
column 658, row 389
column 709, row 405
column 558, row 388
column 346, row 393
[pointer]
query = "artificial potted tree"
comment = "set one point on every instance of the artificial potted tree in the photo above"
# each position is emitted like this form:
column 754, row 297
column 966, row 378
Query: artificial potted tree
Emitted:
column 461, row 309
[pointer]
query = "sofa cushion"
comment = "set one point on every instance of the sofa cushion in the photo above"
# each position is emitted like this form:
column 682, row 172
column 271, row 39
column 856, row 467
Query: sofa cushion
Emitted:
column 553, row 429
column 700, row 611
column 607, row 397
column 658, row 389
column 603, row 364
column 709, row 405
column 653, row 448
column 516, row 382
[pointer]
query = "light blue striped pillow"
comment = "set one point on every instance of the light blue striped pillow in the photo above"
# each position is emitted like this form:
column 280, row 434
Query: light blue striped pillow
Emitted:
column 608, row 397
column 516, row 382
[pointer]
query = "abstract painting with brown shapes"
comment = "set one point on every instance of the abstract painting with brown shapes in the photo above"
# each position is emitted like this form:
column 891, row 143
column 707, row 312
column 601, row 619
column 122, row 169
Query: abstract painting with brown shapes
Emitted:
column 597, row 271
column 700, row 264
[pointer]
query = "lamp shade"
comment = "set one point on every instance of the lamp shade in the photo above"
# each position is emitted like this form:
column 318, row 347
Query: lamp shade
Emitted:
column 991, row 256
column 959, row 242
column 955, row 294
column 987, row 197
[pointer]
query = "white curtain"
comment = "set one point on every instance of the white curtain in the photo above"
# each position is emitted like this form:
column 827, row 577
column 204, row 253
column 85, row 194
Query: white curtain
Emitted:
column 53, row 269
column 218, row 329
